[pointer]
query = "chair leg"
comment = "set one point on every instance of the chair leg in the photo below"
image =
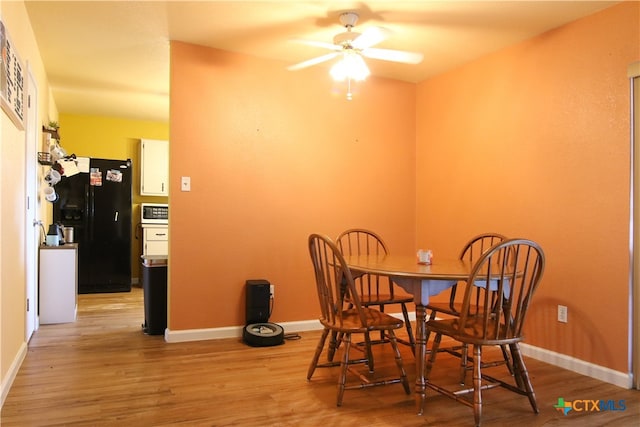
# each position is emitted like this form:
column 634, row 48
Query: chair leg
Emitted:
column 369, row 351
column 407, row 324
column 523, row 374
column 334, row 343
column 382, row 337
column 432, row 356
column 507, row 359
column 464, row 364
column 517, row 371
column 428, row 334
column 477, row 383
column 342, row 380
column 517, row 368
column 411, row 339
column 316, row 356
column 464, row 361
column 396, row 351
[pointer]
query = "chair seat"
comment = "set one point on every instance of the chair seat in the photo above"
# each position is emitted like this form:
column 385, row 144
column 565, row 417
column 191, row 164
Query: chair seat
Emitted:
column 376, row 321
column 444, row 307
column 472, row 331
column 384, row 299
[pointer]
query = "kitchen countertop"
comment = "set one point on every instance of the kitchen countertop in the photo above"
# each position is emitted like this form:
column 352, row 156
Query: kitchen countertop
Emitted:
column 149, row 260
column 65, row 246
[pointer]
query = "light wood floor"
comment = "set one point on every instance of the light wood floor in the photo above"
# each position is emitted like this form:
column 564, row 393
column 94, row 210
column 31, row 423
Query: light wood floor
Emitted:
column 102, row 370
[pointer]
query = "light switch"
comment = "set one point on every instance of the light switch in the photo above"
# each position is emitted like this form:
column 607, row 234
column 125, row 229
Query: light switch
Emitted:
column 186, row 183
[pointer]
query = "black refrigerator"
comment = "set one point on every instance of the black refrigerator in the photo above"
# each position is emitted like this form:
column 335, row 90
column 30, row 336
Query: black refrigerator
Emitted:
column 97, row 204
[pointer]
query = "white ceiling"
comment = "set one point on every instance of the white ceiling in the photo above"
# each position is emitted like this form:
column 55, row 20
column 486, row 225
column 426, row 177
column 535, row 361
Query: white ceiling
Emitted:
column 112, row 57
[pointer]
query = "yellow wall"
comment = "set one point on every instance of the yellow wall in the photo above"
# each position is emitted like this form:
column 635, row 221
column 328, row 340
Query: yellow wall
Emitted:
column 13, row 196
column 533, row 141
column 274, row 156
column 114, row 138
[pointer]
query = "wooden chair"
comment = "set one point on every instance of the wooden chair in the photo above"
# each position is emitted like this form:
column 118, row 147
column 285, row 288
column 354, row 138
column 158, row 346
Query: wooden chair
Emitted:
column 374, row 290
column 471, row 251
column 506, row 276
column 342, row 312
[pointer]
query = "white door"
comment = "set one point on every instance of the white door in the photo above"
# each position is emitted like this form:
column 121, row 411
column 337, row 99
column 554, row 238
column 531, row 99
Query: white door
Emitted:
column 32, row 225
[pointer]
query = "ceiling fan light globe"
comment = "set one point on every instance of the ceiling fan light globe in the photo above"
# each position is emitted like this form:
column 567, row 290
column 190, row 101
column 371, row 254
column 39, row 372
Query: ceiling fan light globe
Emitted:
column 351, row 66
column 338, row 72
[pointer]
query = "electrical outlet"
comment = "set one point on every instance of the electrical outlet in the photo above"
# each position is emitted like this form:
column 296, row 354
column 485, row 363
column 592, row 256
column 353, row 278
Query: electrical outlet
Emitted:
column 562, row 313
column 272, row 291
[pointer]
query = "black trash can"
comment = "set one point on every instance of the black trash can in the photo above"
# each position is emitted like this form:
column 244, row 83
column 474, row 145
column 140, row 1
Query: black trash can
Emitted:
column 154, row 287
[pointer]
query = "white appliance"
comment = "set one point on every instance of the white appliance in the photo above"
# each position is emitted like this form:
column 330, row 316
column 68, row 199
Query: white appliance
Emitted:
column 154, row 219
column 154, row 213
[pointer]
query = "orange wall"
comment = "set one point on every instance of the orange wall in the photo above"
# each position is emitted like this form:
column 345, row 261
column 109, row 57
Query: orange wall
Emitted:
column 533, row 141
column 273, row 156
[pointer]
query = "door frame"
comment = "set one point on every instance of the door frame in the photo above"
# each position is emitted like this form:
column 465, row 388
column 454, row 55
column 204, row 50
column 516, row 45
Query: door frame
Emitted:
column 634, row 234
column 32, row 222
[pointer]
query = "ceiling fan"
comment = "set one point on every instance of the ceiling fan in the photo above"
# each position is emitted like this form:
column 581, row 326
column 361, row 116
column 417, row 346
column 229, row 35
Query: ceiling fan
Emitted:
column 352, row 46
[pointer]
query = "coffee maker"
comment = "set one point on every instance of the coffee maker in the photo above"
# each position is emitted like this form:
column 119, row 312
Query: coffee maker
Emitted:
column 55, row 236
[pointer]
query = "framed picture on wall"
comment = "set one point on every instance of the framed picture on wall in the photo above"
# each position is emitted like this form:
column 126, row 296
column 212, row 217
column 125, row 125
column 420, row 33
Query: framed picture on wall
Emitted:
column 11, row 79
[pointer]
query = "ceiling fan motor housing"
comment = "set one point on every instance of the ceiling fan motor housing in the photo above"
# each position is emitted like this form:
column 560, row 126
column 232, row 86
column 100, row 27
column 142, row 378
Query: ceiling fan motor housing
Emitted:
column 349, row 19
column 345, row 39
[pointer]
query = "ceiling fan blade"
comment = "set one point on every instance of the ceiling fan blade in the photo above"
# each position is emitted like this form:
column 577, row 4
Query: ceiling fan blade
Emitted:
column 370, row 37
column 313, row 61
column 393, row 55
column 315, row 43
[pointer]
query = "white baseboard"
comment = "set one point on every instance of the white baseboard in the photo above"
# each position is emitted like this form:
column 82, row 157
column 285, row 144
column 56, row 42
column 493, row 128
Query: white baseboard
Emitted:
column 233, row 331
column 236, row 331
column 7, row 381
column 600, row 373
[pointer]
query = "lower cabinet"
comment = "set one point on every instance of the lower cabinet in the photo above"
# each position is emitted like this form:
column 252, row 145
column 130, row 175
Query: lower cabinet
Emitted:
column 58, row 281
column 155, row 240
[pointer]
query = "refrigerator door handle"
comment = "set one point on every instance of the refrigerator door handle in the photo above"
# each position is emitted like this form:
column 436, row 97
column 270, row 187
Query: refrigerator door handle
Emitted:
column 87, row 209
column 115, row 219
column 92, row 210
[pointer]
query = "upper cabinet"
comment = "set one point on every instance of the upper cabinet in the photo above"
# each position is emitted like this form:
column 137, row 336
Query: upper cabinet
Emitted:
column 154, row 167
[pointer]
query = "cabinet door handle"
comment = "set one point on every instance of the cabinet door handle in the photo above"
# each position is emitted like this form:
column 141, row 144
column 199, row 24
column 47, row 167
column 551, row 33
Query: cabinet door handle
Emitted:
column 161, row 234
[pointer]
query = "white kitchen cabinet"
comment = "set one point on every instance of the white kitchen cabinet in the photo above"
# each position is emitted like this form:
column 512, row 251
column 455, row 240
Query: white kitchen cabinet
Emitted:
column 154, row 167
column 58, row 279
column 155, row 240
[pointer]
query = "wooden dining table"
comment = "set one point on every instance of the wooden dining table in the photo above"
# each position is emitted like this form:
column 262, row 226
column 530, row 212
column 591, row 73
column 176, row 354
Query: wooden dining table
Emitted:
column 421, row 281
